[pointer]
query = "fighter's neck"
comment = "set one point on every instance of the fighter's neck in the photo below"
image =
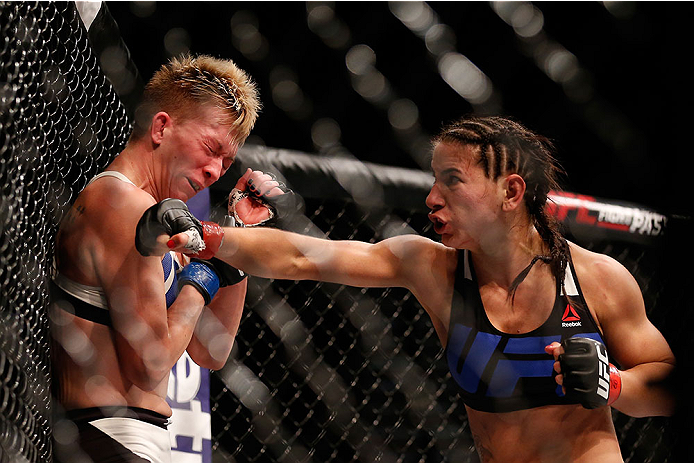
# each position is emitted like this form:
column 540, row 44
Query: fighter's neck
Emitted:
column 502, row 263
column 140, row 168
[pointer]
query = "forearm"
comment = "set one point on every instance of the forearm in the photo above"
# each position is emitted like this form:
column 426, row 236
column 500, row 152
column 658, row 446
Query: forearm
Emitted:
column 271, row 253
column 646, row 390
column 217, row 326
column 154, row 349
column 182, row 317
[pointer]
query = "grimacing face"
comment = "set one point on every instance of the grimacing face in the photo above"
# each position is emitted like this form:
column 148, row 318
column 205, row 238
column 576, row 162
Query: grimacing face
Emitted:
column 200, row 150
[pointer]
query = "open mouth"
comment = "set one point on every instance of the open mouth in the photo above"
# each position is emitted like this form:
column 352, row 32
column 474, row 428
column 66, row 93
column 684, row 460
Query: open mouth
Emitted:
column 194, row 185
column 438, row 223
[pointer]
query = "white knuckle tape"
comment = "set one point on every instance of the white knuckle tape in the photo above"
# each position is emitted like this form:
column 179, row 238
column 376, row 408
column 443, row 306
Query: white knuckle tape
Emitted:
column 235, row 196
column 195, row 242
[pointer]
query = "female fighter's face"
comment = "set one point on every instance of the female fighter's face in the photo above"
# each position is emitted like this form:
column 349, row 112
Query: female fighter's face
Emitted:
column 465, row 204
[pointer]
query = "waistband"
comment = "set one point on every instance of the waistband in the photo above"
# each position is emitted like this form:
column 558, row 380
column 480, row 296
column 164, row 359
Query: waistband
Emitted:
column 82, row 416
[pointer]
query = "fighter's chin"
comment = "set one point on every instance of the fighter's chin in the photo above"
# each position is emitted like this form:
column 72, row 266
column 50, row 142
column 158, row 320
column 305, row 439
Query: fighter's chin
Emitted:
column 186, row 193
column 182, row 195
column 446, row 240
column 450, row 241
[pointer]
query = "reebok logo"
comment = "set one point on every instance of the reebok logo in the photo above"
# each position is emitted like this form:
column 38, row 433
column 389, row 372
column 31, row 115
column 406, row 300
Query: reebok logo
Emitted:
column 570, row 319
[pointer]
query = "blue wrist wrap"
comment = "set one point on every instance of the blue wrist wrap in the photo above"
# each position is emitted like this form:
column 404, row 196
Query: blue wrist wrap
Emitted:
column 202, row 277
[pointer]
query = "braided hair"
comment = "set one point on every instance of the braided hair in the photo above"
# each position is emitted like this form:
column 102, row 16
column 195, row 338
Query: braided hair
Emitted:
column 506, row 147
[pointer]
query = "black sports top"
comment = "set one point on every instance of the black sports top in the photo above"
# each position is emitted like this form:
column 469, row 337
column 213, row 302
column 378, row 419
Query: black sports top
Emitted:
column 501, row 372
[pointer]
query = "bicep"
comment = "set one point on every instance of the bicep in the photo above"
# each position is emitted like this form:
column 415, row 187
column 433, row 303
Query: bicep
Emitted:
column 627, row 329
column 637, row 341
column 133, row 284
column 135, row 294
column 390, row 262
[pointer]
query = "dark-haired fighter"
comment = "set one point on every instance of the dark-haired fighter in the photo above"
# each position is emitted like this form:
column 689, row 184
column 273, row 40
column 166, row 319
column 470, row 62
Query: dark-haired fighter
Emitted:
column 530, row 322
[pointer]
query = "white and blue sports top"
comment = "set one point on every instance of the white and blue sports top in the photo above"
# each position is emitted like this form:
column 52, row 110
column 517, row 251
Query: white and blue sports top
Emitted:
column 89, row 302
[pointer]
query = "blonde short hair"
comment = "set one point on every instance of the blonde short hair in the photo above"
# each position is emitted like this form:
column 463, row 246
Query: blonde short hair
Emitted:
column 182, row 85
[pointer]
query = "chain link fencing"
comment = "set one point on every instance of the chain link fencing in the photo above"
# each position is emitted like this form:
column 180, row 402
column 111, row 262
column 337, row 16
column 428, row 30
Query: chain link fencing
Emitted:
column 320, row 372
column 60, row 123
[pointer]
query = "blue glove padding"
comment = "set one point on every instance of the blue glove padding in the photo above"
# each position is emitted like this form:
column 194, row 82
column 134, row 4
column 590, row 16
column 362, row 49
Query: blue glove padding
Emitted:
column 202, row 277
column 227, row 274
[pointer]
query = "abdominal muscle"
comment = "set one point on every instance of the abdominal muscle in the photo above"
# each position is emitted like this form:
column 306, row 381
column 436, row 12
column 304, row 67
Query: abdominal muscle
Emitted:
column 554, row 433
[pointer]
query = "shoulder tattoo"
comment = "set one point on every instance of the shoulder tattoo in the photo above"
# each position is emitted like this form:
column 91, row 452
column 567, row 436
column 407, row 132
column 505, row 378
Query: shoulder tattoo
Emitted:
column 73, row 213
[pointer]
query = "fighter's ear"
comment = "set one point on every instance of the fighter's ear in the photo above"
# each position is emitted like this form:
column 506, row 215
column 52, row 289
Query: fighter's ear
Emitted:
column 514, row 189
column 160, row 122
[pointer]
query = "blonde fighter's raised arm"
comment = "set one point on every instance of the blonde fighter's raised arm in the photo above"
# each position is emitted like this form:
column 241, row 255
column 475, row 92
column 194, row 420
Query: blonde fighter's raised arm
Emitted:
column 148, row 335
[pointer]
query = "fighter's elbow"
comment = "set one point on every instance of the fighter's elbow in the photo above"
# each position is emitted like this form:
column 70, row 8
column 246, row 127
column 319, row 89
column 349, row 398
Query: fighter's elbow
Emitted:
column 210, row 360
column 212, row 352
column 210, row 363
column 148, row 370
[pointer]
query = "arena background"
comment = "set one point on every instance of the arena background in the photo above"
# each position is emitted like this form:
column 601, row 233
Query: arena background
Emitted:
column 607, row 81
column 351, row 92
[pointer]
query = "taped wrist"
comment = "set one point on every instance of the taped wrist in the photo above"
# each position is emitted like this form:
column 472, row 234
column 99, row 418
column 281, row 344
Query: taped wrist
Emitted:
column 202, row 277
column 208, row 242
column 227, row 274
column 615, row 384
column 588, row 374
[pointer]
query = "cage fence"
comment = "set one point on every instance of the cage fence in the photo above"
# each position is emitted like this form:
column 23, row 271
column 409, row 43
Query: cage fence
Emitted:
column 320, row 372
column 60, row 122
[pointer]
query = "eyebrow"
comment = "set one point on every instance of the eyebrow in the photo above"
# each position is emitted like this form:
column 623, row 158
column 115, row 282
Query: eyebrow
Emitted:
column 213, row 142
column 450, row 170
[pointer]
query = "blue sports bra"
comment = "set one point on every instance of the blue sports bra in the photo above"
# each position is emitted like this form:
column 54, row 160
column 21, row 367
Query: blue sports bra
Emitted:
column 501, row 372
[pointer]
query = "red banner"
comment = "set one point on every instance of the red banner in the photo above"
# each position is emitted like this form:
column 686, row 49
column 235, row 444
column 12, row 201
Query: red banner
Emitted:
column 589, row 217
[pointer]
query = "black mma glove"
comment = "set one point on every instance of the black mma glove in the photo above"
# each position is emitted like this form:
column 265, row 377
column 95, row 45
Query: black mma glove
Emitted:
column 589, row 378
column 170, row 217
column 278, row 206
